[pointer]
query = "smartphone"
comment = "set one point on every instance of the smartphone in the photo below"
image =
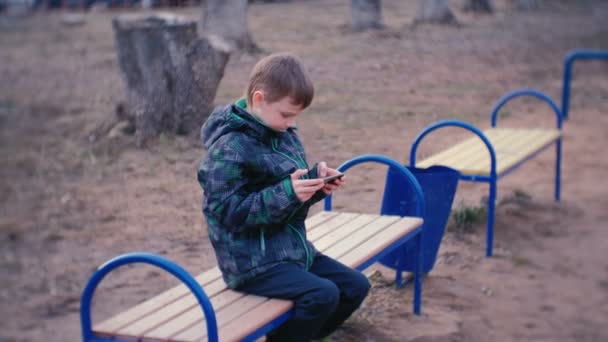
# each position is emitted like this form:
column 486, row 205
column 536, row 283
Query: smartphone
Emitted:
column 331, row 179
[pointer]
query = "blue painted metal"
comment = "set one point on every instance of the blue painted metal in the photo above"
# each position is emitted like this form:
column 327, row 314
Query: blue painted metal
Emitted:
column 526, row 92
column 418, row 275
column 393, row 247
column 268, row 327
column 475, row 178
column 146, row 258
column 374, row 158
column 419, row 212
column 532, row 156
column 493, row 177
column 559, row 116
column 439, row 184
column 569, row 60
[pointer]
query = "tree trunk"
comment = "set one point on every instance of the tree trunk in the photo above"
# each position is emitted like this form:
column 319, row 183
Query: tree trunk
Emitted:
column 526, row 4
column 171, row 75
column 434, row 11
column 484, row 6
column 227, row 19
column 366, row 14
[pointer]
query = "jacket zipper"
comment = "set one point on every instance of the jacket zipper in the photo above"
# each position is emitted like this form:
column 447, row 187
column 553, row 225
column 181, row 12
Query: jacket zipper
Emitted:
column 262, row 242
column 300, row 164
column 308, row 261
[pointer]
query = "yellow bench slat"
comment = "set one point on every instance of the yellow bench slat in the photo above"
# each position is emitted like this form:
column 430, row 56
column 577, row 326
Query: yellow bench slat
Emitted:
column 183, row 320
column 165, row 298
column 511, row 146
column 359, row 236
column 334, row 235
column 228, row 314
column 164, row 314
column 380, row 241
column 509, row 153
column 193, row 316
column 335, row 222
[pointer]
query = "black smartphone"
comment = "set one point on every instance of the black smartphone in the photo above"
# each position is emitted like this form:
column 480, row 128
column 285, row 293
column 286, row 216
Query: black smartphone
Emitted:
column 331, row 179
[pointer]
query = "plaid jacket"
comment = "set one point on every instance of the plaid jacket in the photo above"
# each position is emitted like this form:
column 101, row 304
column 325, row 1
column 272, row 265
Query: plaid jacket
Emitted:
column 255, row 221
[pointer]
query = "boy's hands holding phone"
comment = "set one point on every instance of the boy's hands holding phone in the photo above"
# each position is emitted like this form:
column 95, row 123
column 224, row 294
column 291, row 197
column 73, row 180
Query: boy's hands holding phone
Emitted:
column 305, row 188
column 333, row 178
column 329, row 180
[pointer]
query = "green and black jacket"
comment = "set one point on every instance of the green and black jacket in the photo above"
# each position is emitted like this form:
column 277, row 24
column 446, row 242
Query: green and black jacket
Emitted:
column 255, row 221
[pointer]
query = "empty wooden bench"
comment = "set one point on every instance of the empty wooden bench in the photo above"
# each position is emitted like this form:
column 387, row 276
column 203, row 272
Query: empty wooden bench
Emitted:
column 189, row 313
column 495, row 152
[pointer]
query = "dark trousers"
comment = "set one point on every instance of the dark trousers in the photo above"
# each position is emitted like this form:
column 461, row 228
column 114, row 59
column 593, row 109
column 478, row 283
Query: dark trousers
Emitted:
column 325, row 296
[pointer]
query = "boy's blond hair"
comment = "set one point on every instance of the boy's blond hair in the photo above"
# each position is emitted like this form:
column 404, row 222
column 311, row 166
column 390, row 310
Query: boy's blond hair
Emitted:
column 279, row 75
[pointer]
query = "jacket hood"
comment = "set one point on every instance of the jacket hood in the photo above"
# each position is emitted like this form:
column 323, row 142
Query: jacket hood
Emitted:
column 233, row 118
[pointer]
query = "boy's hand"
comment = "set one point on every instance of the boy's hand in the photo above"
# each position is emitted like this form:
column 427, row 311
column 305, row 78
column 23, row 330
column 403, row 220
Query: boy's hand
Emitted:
column 305, row 188
column 325, row 171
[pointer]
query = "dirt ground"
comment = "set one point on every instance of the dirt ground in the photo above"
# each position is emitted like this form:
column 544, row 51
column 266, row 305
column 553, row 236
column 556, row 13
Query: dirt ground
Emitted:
column 71, row 199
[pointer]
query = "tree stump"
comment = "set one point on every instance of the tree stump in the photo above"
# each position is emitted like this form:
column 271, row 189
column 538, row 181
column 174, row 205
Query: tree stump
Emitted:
column 526, row 4
column 434, row 11
column 171, row 75
column 366, row 14
column 227, row 19
column 480, row 6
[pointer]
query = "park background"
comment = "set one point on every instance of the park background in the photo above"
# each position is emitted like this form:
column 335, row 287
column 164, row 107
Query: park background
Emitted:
column 76, row 191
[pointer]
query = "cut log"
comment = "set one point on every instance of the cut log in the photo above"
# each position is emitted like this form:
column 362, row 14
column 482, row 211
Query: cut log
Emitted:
column 434, row 11
column 366, row 15
column 171, row 75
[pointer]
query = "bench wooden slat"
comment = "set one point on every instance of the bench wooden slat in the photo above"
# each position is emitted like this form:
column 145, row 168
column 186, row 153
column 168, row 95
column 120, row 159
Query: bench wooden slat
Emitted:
column 540, row 141
column 343, row 231
column 516, row 141
column 182, row 319
column 256, row 319
column 475, row 152
column 380, row 241
column 462, row 150
column 193, row 317
column 511, row 146
column 168, row 312
column 165, row 298
column 521, row 146
column 319, row 218
column 225, row 316
column 136, row 326
column 359, row 236
column 111, row 326
column 335, row 222
column 507, row 137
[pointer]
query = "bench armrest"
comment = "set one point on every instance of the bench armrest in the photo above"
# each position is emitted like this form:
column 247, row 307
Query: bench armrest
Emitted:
column 526, row 92
column 392, row 164
column 568, row 62
column 454, row 123
column 155, row 260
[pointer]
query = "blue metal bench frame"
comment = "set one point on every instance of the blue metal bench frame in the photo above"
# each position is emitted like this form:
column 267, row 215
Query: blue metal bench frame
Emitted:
column 568, row 64
column 493, row 178
column 417, row 233
column 203, row 300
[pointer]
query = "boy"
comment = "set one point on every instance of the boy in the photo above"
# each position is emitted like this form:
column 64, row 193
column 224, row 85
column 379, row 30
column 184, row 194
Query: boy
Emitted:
column 257, row 192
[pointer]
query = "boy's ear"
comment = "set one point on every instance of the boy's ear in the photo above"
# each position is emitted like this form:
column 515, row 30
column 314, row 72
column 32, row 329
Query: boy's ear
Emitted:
column 257, row 98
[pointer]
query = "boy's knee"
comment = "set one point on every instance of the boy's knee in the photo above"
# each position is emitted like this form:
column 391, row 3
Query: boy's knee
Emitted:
column 359, row 286
column 322, row 300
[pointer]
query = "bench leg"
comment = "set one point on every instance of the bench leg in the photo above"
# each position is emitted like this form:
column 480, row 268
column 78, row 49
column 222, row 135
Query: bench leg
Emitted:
column 558, row 169
column 399, row 270
column 490, row 224
column 418, row 275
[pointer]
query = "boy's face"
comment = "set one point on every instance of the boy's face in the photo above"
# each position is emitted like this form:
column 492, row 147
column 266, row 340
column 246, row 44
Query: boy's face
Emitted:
column 279, row 115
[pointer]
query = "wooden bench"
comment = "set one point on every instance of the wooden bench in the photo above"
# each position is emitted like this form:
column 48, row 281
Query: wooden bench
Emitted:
column 187, row 313
column 495, row 152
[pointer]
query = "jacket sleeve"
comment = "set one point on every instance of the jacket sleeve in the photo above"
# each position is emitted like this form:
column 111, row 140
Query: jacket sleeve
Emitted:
column 223, row 178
